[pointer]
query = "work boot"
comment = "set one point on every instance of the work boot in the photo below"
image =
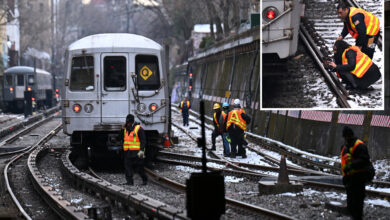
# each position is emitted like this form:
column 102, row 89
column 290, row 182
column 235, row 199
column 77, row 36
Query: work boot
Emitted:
column 244, row 156
column 233, row 155
column 144, row 182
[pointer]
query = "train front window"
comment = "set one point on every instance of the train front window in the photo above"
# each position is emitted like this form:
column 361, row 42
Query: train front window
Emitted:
column 8, row 80
column 148, row 75
column 82, row 72
column 115, row 73
column 20, row 80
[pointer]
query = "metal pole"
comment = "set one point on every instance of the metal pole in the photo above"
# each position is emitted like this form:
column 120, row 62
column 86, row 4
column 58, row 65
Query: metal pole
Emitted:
column 203, row 138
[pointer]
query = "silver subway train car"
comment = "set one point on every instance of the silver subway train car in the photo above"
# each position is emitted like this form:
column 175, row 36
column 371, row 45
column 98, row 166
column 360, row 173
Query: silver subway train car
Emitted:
column 280, row 26
column 107, row 77
column 19, row 79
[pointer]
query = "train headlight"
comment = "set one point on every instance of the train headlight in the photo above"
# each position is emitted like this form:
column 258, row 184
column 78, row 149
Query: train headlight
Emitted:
column 141, row 107
column 76, row 108
column 88, row 108
column 270, row 13
column 153, row 107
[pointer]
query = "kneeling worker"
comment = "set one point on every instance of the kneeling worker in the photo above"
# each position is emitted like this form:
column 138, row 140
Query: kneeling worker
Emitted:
column 353, row 66
column 134, row 143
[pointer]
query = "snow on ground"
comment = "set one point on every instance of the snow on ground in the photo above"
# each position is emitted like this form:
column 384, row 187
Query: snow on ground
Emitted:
column 339, row 197
column 382, row 166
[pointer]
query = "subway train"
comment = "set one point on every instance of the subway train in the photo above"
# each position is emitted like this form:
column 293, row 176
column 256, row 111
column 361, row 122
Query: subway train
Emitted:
column 280, row 26
column 19, row 79
column 108, row 76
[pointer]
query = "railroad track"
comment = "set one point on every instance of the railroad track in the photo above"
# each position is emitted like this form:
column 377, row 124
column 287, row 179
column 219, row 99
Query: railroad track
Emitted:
column 120, row 196
column 264, row 143
column 21, row 154
column 229, row 201
column 319, row 29
column 313, row 163
column 318, row 57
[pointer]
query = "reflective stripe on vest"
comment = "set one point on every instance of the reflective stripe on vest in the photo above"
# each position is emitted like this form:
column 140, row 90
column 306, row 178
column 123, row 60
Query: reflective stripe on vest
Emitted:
column 223, row 116
column 363, row 62
column 347, row 158
column 131, row 141
column 181, row 105
column 215, row 119
column 370, row 20
column 234, row 117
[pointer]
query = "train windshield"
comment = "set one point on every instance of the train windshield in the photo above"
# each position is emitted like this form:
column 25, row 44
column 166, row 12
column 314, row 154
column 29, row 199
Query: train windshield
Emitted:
column 8, row 80
column 82, row 72
column 115, row 73
column 20, row 80
column 148, row 75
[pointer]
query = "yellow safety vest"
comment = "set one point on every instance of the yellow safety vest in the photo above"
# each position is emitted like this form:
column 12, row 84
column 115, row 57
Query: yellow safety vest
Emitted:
column 234, row 117
column 181, row 105
column 370, row 20
column 347, row 159
column 363, row 62
column 131, row 141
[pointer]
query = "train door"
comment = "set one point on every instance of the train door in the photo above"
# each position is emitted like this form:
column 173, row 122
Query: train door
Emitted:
column 19, row 86
column 114, row 89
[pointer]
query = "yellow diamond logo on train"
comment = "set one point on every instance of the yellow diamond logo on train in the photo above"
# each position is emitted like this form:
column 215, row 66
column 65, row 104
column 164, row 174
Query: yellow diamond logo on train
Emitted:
column 145, row 72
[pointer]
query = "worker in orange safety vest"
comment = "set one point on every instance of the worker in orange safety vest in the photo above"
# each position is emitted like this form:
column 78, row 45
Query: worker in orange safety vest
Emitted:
column 355, row 68
column 185, row 106
column 355, row 168
column 134, row 143
column 361, row 25
column 236, row 125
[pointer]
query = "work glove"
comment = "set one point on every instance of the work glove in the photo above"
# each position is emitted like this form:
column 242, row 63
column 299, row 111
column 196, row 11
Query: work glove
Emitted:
column 141, row 154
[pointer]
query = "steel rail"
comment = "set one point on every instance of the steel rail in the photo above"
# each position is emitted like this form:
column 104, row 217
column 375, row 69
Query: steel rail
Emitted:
column 17, row 157
column 342, row 100
column 281, row 151
column 229, row 201
column 146, row 205
column 24, row 131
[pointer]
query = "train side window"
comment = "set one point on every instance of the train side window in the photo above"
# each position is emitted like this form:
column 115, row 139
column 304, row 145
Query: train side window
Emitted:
column 115, row 73
column 20, row 80
column 148, row 75
column 82, row 74
column 8, row 80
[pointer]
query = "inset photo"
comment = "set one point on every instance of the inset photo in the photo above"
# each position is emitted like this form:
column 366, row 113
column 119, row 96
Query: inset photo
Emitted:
column 322, row 54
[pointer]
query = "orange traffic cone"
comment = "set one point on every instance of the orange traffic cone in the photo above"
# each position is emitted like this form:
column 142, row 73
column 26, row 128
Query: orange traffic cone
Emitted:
column 167, row 143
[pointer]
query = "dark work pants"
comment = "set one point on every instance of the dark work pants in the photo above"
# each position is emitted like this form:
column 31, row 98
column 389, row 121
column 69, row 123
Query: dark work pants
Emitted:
column 185, row 118
column 356, row 193
column 134, row 164
column 372, row 75
column 368, row 51
column 214, row 135
column 237, row 139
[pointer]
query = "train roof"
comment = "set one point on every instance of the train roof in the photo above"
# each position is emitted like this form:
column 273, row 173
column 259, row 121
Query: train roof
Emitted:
column 25, row 69
column 114, row 40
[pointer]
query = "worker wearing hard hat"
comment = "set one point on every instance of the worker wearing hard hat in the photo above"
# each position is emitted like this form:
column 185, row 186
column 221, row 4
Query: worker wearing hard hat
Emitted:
column 236, row 125
column 217, row 127
column 225, row 134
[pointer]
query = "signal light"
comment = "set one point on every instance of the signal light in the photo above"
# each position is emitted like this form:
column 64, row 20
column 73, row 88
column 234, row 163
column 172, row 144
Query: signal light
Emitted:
column 11, row 89
column 190, row 87
column 153, row 107
column 33, row 99
column 57, row 90
column 77, row 108
column 271, row 14
column 28, row 88
column 190, row 75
